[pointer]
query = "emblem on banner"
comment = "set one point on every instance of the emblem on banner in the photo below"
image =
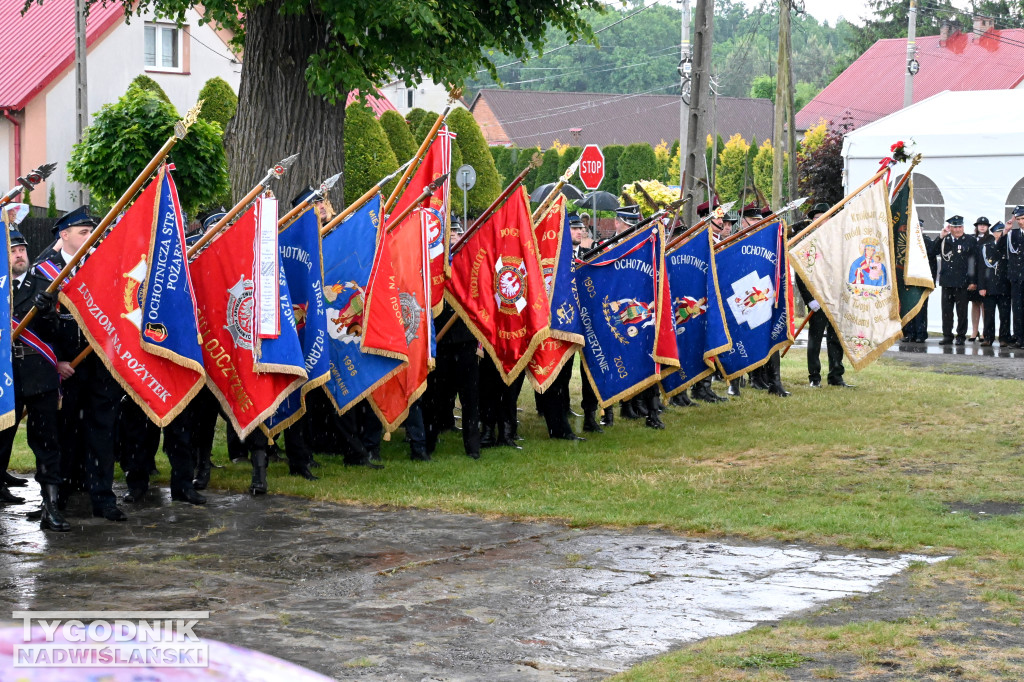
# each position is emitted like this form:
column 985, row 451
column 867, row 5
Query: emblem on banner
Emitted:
column 412, row 314
column 510, row 284
column 241, row 309
column 686, row 308
column 344, row 311
column 434, row 224
column 752, row 299
column 628, row 314
column 566, row 314
column 547, row 266
column 133, row 293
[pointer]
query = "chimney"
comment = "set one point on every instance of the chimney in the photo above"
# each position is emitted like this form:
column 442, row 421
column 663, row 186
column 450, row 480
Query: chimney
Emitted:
column 983, row 25
column 943, row 33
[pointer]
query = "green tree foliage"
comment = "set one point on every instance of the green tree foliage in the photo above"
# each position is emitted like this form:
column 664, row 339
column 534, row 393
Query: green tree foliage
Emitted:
column 610, row 183
column 399, row 137
column 762, row 167
column 548, row 172
column 415, row 117
column 820, row 167
column 147, row 83
column 427, row 122
column 567, row 159
column 731, row 162
column 219, row 101
column 51, row 204
column 500, row 156
column 126, row 134
column 637, row 162
column 518, row 161
column 763, row 87
column 474, row 152
column 368, row 156
column 455, row 203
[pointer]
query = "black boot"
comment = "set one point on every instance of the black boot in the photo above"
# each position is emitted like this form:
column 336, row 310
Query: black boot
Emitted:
column 757, row 380
column 508, row 436
column 50, row 517
column 681, row 400
column 303, row 470
column 13, row 481
column 487, row 439
column 654, row 421
column 7, row 497
column 626, row 410
column 203, row 469
column 734, row 388
column 259, row 473
column 590, row 422
column 609, row 416
column 188, row 495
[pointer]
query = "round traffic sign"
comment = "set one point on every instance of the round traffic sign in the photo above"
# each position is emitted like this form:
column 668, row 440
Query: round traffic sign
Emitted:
column 591, row 166
column 465, row 177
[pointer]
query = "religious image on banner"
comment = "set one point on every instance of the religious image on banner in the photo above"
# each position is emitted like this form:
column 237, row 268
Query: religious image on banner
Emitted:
column 847, row 263
column 623, row 303
column 248, row 370
column 497, row 287
column 753, row 276
column 913, row 273
column 7, row 418
column 554, row 243
column 348, row 253
column 698, row 315
column 301, row 263
column 133, row 299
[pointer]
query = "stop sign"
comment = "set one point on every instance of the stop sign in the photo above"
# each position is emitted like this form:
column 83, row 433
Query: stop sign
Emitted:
column 591, row 166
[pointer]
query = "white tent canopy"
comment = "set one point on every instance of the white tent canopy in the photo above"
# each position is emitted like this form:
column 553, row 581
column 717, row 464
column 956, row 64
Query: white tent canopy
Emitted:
column 972, row 143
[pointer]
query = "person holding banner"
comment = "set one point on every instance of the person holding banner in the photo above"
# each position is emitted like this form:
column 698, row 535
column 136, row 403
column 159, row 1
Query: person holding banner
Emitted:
column 36, row 385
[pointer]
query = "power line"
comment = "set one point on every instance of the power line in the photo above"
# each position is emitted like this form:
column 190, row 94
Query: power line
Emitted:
column 574, row 72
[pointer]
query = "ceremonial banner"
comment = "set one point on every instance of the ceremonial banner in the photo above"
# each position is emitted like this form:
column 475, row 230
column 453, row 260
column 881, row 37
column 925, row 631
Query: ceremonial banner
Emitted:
column 348, row 252
column 847, row 264
column 6, row 363
column 250, row 376
column 498, row 289
column 698, row 315
column 554, row 243
column 626, row 317
column 753, row 274
column 399, row 288
column 913, row 273
column 302, row 266
column 133, row 300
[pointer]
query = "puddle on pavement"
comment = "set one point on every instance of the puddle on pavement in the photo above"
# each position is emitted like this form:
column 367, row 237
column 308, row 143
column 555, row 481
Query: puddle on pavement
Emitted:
column 389, row 594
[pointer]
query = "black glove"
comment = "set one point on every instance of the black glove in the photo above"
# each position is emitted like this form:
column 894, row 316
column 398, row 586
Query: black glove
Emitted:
column 44, row 301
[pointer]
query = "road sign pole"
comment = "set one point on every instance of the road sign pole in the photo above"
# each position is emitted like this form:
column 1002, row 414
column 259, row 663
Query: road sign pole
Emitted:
column 465, row 203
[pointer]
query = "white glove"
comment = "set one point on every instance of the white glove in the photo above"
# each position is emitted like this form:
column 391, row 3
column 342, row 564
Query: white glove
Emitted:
column 814, row 305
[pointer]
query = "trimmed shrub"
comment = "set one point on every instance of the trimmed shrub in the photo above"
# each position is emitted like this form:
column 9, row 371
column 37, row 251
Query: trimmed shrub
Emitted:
column 399, row 136
column 219, row 102
column 368, row 156
column 474, row 152
column 146, row 83
column 637, row 162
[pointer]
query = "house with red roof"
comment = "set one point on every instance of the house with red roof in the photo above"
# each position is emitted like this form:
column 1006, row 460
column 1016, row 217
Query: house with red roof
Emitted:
column 872, row 87
column 37, row 77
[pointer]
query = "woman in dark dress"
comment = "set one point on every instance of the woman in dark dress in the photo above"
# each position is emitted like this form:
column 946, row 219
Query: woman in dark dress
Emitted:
column 981, row 233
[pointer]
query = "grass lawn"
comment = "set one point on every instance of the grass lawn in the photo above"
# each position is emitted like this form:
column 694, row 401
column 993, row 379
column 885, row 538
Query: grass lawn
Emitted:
column 872, row 467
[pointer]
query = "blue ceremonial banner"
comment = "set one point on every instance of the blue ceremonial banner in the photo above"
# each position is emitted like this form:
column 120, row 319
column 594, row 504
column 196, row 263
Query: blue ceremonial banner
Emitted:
column 618, row 295
column 167, row 316
column 698, row 316
column 6, row 369
column 753, row 273
column 348, row 253
column 299, row 249
column 565, row 320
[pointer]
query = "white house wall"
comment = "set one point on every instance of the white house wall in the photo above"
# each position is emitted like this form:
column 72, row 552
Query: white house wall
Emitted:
column 6, row 154
column 428, row 95
column 112, row 64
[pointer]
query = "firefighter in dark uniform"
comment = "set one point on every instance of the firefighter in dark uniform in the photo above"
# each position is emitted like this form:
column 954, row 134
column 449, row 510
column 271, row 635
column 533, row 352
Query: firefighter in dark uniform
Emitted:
column 91, row 396
column 991, row 264
column 456, row 372
column 1012, row 245
column 36, row 385
column 958, row 276
column 818, row 328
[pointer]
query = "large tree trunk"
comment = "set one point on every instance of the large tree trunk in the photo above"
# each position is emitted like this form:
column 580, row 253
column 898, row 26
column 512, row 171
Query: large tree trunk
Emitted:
column 277, row 116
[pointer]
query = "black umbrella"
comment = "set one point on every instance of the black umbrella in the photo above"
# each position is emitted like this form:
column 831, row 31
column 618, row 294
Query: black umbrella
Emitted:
column 600, row 201
column 542, row 192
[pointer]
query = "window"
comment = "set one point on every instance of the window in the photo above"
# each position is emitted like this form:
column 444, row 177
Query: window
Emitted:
column 409, row 97
column 929, row 203
column 162, row 47
column 1014, row 199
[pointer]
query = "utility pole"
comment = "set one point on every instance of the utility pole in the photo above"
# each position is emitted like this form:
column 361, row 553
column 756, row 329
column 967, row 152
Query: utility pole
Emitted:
column 714, row 135
column 684, row 104
column 697, row 127
column 912, row 65
column 81, row 83
column 781, row 103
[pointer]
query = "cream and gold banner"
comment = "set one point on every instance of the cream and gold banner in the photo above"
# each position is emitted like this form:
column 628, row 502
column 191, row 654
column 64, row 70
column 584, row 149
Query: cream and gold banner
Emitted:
column 849, row 266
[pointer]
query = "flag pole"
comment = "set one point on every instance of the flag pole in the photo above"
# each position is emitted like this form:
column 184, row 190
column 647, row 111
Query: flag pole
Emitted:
column 180, row 130
column 763, row 221
column 421, row 152
column 535, row 162
column 802, row 325
column 906, row 176
column 828, row 214
column 675, row 205
column 28, row 182
column 428, row 191
column 553, row 194
column 678, row 241
column 318, row 194
column 274, row 172
column 361, row 201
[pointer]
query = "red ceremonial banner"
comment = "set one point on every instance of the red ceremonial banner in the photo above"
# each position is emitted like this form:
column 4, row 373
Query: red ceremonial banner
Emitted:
column 552, row 354
column 225, row 274
column 665, row 349
column 399, row 284
column 105, row 296
column 497, row 287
